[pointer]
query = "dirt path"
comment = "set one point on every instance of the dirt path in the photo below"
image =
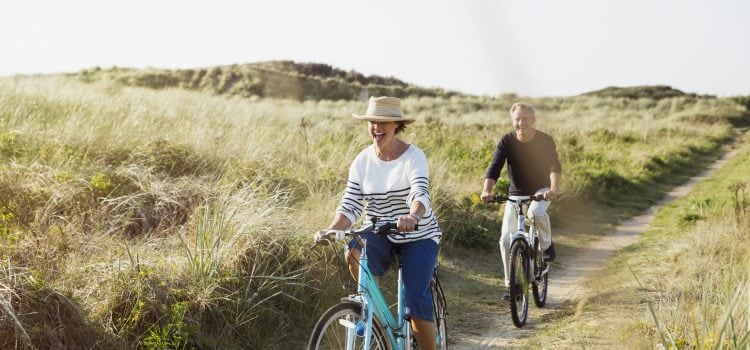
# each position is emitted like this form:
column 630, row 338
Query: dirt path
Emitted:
column 570, row 273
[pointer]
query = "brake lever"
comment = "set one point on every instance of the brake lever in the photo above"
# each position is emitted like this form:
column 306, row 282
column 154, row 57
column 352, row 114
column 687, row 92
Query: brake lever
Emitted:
column 320, row 242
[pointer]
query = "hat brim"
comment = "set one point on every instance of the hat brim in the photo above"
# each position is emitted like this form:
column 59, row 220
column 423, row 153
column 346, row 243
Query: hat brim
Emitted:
column 380, row 118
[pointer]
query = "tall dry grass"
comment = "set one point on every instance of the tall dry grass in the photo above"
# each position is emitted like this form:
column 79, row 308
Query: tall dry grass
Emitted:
column 704, row 295
column 173, row 218
column 684, row 284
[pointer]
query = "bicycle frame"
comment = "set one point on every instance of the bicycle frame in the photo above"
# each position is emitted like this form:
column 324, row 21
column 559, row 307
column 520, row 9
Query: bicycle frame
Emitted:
column 374, row 318
column 374, row 305
column 521, row 233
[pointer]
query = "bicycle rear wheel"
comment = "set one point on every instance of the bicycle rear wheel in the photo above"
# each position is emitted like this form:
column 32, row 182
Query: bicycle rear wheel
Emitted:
column 333, row 330
column 539, row 287
column 441, row 311
column 519, row 284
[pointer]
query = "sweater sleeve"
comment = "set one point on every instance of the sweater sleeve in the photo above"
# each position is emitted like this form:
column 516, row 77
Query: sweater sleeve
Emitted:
column 351, row 204
column 555, row 166
column 419, row 181
column 498, row 160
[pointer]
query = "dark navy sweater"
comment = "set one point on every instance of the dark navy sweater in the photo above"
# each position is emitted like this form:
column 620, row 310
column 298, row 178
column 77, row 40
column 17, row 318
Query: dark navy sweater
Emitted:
column 529, row 164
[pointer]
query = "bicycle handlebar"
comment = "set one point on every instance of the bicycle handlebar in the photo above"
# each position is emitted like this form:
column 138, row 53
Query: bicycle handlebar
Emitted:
column 500, row 199
column 380, row 229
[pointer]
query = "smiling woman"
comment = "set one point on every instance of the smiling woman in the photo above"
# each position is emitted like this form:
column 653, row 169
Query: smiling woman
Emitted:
column 387, row 146
column 384, row 122
column 389, row 181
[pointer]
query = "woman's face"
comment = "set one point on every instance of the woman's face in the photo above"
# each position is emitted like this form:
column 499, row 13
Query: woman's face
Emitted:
column 382, row 133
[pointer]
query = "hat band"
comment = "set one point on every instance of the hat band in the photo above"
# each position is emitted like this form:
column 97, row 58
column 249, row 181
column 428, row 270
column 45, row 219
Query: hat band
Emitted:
column 384, row 111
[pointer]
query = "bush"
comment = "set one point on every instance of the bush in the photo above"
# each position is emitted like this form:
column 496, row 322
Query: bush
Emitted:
column 656, row 92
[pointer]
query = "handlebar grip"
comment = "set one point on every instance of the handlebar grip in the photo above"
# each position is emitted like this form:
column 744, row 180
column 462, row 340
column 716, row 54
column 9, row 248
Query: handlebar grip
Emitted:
column 498, row 199
column 388, row 226
column 391, row 227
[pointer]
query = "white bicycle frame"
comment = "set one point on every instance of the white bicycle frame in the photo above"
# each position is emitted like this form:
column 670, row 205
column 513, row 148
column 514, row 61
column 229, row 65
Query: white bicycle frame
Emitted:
column 521, row 233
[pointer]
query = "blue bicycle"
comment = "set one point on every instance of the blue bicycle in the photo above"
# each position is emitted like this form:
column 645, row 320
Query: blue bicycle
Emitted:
column 363, row 320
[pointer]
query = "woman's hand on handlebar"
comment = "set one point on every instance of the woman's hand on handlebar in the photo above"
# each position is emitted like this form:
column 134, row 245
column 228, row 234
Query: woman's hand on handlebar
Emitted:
column 327, row 236
column 407, row 223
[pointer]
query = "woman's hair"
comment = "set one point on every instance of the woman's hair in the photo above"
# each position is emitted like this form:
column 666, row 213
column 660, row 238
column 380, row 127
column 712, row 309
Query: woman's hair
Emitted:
column 400, row 128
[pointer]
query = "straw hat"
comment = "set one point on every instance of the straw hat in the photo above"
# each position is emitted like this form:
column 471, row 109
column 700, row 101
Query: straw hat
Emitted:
column 384, row 109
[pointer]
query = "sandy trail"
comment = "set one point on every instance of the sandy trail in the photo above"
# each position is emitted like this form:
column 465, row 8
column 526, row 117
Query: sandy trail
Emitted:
column 567, row 276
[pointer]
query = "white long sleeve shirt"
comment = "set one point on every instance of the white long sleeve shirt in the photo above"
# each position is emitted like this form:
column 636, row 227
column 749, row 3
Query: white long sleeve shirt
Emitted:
column 387, row 189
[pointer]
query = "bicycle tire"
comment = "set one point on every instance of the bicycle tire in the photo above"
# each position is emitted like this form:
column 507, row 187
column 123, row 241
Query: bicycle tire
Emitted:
column 519, row 284
column 539, row 287
column 325, row 337
column 441, row 311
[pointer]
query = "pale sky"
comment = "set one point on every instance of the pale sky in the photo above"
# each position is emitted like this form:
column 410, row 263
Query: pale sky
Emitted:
column 532, row 47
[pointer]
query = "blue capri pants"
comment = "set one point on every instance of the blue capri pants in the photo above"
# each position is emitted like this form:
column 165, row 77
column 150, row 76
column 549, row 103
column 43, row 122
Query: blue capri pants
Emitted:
column 418, row 259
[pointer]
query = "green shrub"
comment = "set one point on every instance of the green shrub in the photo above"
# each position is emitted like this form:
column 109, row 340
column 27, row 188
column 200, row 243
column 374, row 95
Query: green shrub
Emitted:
column 656, row 92
column 176, row 333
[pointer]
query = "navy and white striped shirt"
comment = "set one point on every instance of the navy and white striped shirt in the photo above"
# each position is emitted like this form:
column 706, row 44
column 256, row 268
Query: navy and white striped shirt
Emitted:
column 387, row 189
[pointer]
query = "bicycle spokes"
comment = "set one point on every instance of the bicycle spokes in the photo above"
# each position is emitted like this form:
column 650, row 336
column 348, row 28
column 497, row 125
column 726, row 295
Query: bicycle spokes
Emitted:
column 519, row 282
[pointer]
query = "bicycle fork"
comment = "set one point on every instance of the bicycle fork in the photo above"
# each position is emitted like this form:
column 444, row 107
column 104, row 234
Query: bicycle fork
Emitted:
column 521, row 238
column 525, row 239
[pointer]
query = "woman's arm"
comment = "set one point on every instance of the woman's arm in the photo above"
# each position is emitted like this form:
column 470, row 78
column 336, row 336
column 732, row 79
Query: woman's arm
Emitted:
column 340, row 222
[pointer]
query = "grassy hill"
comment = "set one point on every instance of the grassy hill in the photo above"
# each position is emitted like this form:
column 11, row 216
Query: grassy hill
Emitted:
column 169, row 208
column 656, row 92
column 276, row 79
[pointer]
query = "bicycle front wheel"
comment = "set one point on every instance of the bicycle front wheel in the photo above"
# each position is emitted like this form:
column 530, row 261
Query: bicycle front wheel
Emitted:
column 539, row 287
column 519, row 283
column 441, row 311
column 338, row 327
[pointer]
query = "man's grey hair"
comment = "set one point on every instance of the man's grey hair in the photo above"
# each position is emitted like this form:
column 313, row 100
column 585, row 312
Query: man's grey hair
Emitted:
column 521, row 105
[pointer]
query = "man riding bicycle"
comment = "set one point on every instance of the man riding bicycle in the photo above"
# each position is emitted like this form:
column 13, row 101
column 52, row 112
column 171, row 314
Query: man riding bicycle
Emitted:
column 533, row 168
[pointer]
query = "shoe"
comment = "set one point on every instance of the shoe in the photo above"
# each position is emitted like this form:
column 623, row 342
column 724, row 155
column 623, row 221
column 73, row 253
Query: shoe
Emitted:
column 549, row 254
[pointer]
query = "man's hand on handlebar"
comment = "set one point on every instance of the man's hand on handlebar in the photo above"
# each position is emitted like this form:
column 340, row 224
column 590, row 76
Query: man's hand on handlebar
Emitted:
column 551, row 195
column 486, row 196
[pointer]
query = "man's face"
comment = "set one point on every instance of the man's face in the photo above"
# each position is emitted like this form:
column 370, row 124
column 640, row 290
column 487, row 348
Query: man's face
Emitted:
column 523, row 119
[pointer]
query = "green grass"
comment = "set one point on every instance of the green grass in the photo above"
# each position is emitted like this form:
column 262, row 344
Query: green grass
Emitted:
column 178, row 217
column 684, row 284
